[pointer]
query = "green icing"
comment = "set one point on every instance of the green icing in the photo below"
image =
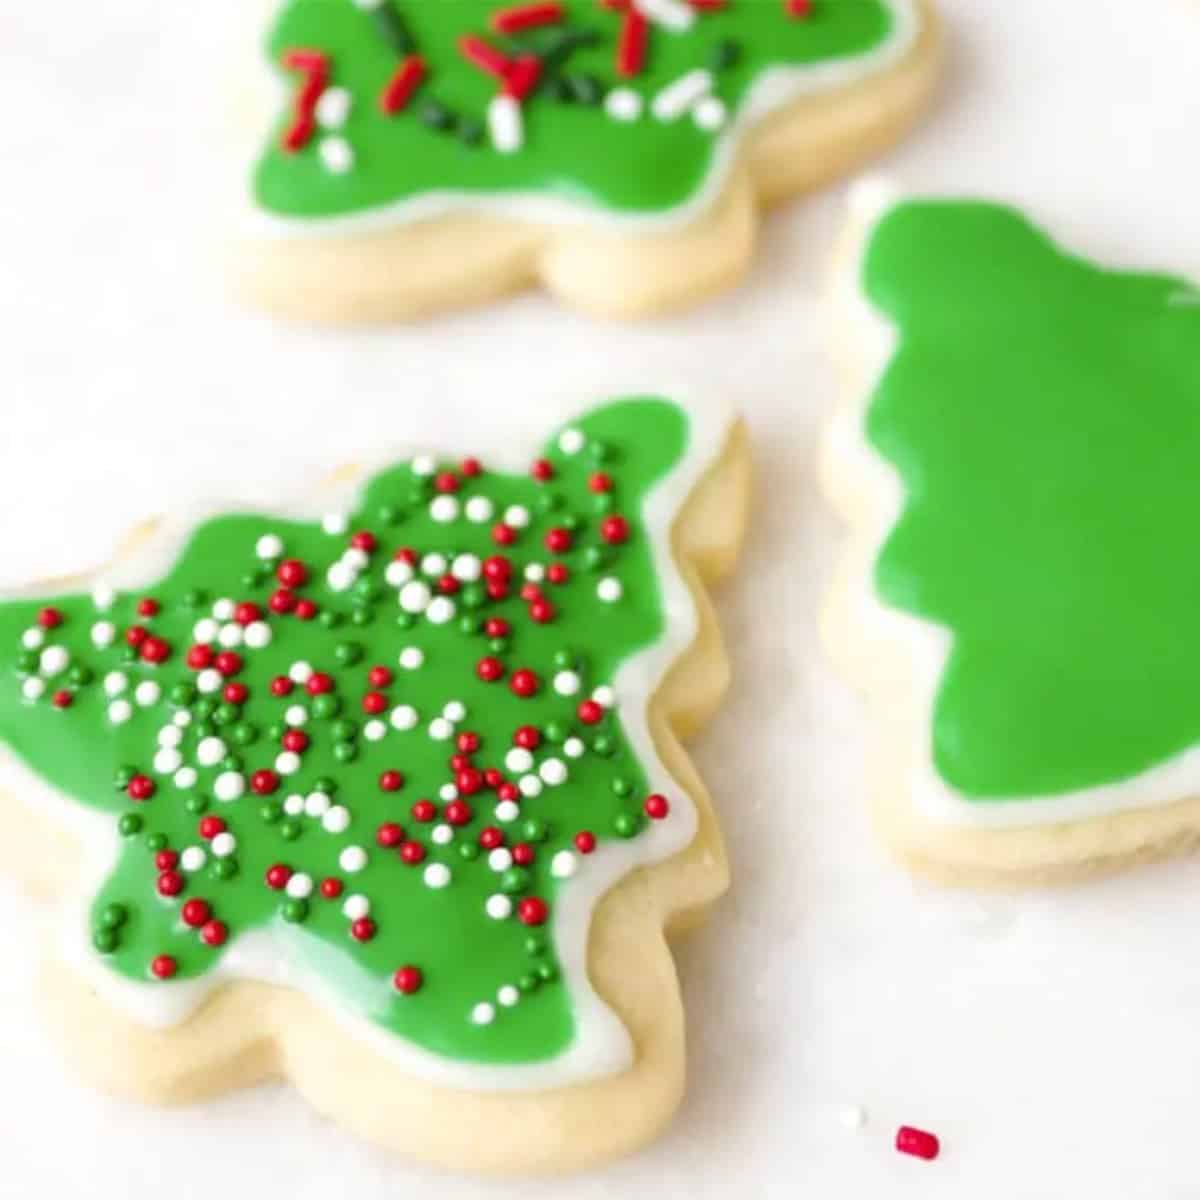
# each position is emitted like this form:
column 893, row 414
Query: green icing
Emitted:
column 465, row 955
column 1044, row 417
column 572, row 149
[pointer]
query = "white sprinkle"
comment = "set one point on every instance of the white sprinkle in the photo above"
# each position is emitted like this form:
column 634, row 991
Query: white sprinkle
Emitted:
column 183, row 719
column 269, row 546
column 604, row 696
column 508, row 811
column 340, row 577
column 293, row 805
column 335, row 523
column 103, row 596
column 119, row 711
column 398, row 573
column 483, row 1014
column 300, row 886
column 223, row 845
column 300, row 672
column 287, row 763
column 563, row 865
column 412, row 657
column 352, row 859
column 404, row 717
column 505, row 123
column 356, row 907
column 710, row 114
column 479, row 509
column 455, row 711
column 258, row 635
column 185, row 778
column 622, row 104
column 167, row 761
column 508, row 995
column 530, row 785
column 231, row 635
column 852, row 1116
column 169, row 735
column 499, row 907
column 440, row 729
column 295, row 715
column 535, row 573
column 333, row 108
column 147, row 693
column 447, row 792
column 423, row 465
column 229, row 785
column 517, row 515
column 193, row 858
column 317, row 804
column 567, row 683
column 442, row 835
column 209, row 680
column 375, row 730
column 441, row 609
column 33, row 639
column 115, row 682
column 609, row 590
column 54, row 660
column 437, row 875
column 336, row 154
column 678, row 97
column 35, row 689
column 104, row 633
column 224, row 609
column 205, row 631
column 573, row 747
column 553, row 772
column 336, row 820
column 572, row 440
column 356, row 558
column 500, row 859
column 518, row 760
column 670, row 14
column 444, row 509
column 467, row 568
column 415, row 596
column 434, row 565
column 210, row 751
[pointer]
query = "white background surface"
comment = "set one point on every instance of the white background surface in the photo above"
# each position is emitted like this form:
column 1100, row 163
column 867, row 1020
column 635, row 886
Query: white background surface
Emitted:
column 1053, row 1040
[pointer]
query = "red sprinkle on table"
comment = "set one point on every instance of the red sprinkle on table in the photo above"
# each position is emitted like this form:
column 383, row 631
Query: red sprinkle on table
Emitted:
column 917, row 1142
column 526, row 16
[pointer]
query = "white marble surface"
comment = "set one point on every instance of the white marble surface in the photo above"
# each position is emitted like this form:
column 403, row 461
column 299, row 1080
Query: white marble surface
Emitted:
column 1051, row 1039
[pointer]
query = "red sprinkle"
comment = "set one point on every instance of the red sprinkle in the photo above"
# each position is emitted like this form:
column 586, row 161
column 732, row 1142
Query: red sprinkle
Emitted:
column 917, row 1142
column 362, row 930
column 657, row 807
column 631, row 49
column 542, row 470
column 400, row 88
column 523, row 77
column 163, row 966
column 408, row 980
column 533, row 910
column 526, row 16
column 214, row 933
column 799, row 9
column 50, row 618
column 524, row 683
column 487, row 58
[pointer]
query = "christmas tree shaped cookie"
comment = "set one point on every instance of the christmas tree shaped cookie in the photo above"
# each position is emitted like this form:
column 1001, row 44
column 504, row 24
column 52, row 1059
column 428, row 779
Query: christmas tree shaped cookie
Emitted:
column 1019, row 462
column 357, row 793
column 433, row 154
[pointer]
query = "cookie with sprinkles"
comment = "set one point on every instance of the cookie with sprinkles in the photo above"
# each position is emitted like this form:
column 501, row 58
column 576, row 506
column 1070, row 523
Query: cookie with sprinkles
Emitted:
column 619, row 152
column 383, row 793
column 1016, row 457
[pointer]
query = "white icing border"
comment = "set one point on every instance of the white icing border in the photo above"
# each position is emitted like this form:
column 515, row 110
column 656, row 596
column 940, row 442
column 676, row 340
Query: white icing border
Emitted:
column 925, row 644
column 775, row 88
column 602, row 1045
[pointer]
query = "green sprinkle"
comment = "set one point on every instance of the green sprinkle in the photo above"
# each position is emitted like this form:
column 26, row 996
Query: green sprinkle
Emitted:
column 345, row 752
column 468, row 851
column 226, row 714
column 528, row 983
column 129, row 824
column 270, row 811
column 105, row 940
column 195, row 599
column 725, row 54
column 470, row 131
column 547, row 972
column 326, row 705
column 603, row 745
column 327, row 785
column 233, row 762
column 389, row 514
column 564, row 658
column 473, row 596
column 621, row 787
column 113, row 916
column 498, row 645
column 393, row 29
column 535, row 944
column 244, row 734
column 80, row 675
column 514, row 881
column 367, row 589
column 604, row 502
column 626, row 824
column 295, row 911
column 595, row 557
column 406, row 620
column 345, row 731
column 204, row 729
column 196, row 804
column 182, row 694
column 435, row 115
column 362, row 614
column 156, row 842
column 557, row 731
column 225, row 868
column 600, row 451
column 330, row 619
column 289, row 830
column 535, row 830
column 27, row 662
column 348, row 653
column 122, row 777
